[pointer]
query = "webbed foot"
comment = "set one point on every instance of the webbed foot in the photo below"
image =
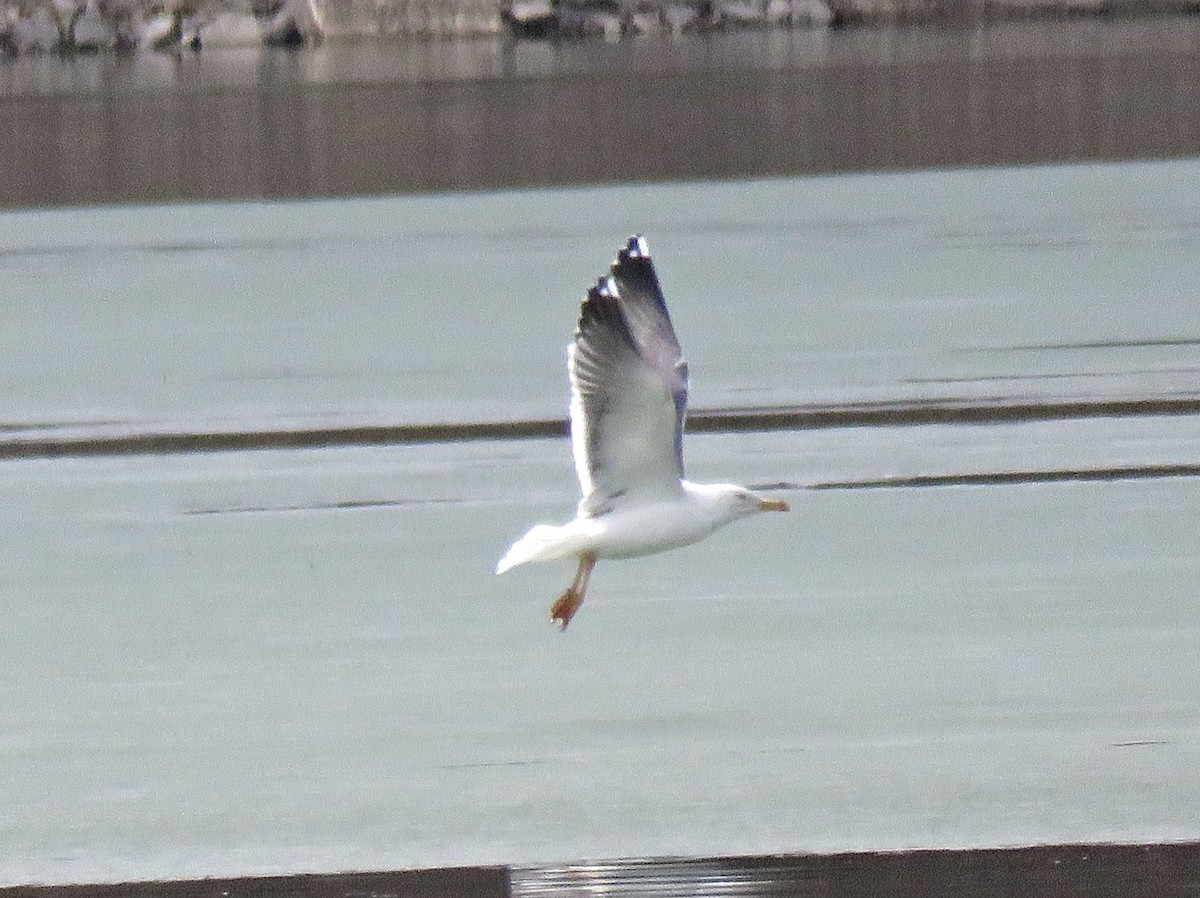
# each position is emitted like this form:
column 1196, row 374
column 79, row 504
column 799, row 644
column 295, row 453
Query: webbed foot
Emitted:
column 564, row 608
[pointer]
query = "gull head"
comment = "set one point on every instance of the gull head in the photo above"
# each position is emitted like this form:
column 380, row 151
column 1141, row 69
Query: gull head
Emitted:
column 738, row 502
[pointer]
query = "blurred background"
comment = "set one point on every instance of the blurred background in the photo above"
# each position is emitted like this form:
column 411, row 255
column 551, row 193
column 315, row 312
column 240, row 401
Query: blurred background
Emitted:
column 122, row 101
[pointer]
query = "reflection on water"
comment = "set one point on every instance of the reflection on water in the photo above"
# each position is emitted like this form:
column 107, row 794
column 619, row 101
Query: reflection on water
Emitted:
column 382, row 117
column 1067, row 870
column 1049, row 41
column 1143, row 871
column 662, row 878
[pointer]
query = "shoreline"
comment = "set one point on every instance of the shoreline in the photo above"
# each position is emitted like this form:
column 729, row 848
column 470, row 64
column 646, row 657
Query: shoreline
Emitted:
column 1097, row 870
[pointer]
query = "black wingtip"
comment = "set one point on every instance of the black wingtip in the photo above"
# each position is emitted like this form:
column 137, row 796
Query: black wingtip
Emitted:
column 635, row 248
column 604, row 288
column 601, row 307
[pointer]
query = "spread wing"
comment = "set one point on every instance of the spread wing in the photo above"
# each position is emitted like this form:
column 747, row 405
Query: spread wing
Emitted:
column 629, row 386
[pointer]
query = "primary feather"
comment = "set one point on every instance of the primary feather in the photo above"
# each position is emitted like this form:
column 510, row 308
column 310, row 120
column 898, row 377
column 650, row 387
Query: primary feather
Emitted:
column 629, row 385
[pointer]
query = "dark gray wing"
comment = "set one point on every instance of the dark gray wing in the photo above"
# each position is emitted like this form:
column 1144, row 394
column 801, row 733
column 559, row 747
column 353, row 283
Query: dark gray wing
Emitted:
column 628, row 387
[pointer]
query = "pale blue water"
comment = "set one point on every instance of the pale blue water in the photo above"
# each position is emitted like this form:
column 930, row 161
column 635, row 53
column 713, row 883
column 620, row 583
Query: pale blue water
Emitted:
column 1044, row 282
column 279, row 661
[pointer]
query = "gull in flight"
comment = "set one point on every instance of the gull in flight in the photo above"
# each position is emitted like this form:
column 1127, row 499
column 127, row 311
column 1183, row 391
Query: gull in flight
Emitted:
column 629, row 385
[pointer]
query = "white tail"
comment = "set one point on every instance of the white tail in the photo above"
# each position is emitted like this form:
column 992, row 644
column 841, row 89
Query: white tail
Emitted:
column 541, row 543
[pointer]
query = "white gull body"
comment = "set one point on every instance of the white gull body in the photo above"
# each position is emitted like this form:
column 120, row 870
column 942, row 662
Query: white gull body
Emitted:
column 629, row 386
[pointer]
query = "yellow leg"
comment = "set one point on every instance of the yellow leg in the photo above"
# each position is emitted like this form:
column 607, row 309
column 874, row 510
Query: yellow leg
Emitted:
column 568, row 603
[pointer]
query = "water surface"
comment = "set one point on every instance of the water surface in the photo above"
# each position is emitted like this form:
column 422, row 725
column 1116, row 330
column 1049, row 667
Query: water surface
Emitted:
column 419, row 116
column 1035, row 284
column 282, row 660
